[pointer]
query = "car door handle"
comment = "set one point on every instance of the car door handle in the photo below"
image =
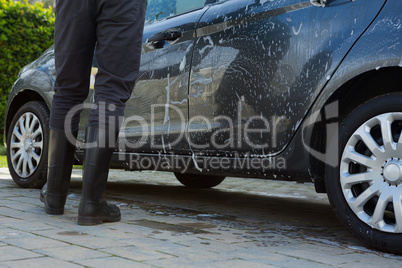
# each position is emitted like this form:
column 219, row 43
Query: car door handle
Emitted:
column 318, row 3
column 160, row 37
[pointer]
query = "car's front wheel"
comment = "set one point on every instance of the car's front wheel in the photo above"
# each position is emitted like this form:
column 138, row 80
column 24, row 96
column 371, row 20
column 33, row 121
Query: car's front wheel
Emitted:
column 27, row 141
column 365, row 188
column 198, row 180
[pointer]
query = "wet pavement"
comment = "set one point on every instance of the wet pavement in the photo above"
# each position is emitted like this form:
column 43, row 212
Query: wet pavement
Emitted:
column 240, row 223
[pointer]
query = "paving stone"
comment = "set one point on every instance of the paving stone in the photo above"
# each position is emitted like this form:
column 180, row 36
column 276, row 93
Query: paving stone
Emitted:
column 81, row 238
column 131, row 226
column 115, row 233
column 316, row 253
column 6, row 202
column 72, row 253
column 237, row 263
column 73, row 232
column 127, row 227
column 22, row 213
column 195, row 252
column 34, row 242
column 165, row 246
column 112, row 262
column 64, row 221
column 370, row 260
column 257, row 255
column 227, row 237
column 180, row 263
column 10, row 221
column 10, row 253
column 137, row 253
column 8, row 233
column 210, row 245
column 302, row 263
column 32, row 226
column 40, row 262
column 32, row 199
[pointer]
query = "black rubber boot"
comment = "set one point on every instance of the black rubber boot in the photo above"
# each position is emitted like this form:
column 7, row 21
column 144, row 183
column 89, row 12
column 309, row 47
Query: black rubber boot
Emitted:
column 93, row 208
column 60, row 164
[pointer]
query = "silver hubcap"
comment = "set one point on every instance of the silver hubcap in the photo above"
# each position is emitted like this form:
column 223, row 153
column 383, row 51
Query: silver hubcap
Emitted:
column 26, row 145
column 371, row 172
column 392, row 172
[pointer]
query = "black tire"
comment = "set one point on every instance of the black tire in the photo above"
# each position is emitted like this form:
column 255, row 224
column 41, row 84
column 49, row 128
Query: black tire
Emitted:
column 198, row 180
column 27, row 149
column 344, row 187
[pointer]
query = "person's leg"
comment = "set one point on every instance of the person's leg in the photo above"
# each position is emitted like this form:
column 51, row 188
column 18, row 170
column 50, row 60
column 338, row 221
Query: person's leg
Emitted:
column 75, row 36
column 60, row 162
column 118, row 51
column 74, row 43
column 93, row 208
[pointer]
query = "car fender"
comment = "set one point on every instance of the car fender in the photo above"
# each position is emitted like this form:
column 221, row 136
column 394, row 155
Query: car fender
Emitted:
column 377, row 50
column 41, row 87
column 380, row 46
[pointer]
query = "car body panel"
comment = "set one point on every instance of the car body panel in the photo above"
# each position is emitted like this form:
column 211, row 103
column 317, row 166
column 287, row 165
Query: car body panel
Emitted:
column 38, row 78
column 378, row 48
column 261, row 65
column 158, row 106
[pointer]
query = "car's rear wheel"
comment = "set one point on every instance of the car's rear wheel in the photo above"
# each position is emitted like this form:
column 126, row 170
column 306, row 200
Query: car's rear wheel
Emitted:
column 365, row 189
column 198, row 180
column 27, row 142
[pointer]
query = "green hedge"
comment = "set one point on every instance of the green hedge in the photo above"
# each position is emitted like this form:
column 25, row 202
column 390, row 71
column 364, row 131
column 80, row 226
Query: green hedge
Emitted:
column 25, row 32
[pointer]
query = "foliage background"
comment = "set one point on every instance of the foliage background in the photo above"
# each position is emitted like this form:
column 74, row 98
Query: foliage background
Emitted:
column 26, row 30
column 46, row 3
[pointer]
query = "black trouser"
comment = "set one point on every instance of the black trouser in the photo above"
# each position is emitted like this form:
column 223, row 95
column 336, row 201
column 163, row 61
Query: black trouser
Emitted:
column 116, row 27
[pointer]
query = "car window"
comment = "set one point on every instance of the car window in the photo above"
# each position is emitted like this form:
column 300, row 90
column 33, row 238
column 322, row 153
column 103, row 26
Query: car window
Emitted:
column 159, row 9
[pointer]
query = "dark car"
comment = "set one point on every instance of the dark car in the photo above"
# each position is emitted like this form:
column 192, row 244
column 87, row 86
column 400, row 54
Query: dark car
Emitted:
column 290, row 90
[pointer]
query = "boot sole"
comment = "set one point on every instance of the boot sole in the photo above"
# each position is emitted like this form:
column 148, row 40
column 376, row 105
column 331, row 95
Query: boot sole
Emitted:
column 88, row 221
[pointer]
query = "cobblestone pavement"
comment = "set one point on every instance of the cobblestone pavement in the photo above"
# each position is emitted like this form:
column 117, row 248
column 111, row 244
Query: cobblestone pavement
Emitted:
column 240, row 223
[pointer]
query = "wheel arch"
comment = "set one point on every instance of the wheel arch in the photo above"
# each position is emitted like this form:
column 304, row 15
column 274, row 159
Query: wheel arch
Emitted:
column 23, row 97
column 348, row 97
